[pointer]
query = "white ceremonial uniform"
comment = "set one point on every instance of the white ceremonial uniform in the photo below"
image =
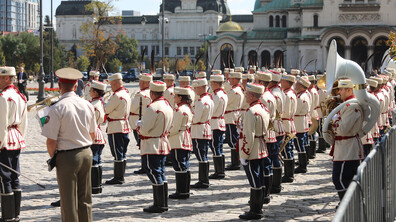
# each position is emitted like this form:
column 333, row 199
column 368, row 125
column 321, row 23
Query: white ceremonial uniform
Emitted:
column 302, row 112
column 192, row 95
column 203, row 112
column 180, row 135
column 384, row 113
column 13, row 119
column 155, row 127
column 87, row 88
column 379, row 124
column 322, row 97
column 235, row 99
column 289, row 110
column 99, row 117
column 347, row 145
column 220, row 100
column 270, row 102
column 255, row 122
column 117, row 110
column 227, row 86
column 280, row 98
column 314, row 103
column 135, row 103
column 169, row 94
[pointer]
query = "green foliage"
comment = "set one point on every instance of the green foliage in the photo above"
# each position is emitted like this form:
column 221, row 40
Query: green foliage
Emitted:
column 2, row 59
column 82, row 63
column 114, row 65
column 127, row 51
column 188, row 64
column 392, row 44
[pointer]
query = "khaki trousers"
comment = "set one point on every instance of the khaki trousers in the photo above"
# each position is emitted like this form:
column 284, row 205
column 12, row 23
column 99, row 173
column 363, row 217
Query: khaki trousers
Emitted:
column 73, row 170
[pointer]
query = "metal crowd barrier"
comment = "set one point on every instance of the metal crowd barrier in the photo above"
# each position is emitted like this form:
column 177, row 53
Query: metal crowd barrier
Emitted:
column 371, row 196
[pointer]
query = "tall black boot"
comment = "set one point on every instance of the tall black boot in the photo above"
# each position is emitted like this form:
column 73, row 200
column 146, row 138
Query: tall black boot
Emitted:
column 17, row 199
column 158, row 196
column 168, row 161
column 266, row 189
column 165, row 201
column 302, row 168
column 182, row 186
column 341, row 195
column 312, row 151
column 118, row 173
column 124, row 169
column 256, row 205
column 289, row 171
column 7, row 207
column 203, row 176
column 219, row 168
column 322, row 145
column 235, row 164
column 100, row 177
column 96, row 180
column 276, row 180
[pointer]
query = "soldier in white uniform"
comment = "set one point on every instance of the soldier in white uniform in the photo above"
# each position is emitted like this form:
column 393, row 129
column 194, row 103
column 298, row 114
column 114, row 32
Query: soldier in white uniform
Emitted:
column 227, row 86
column 13, row 122
column 235, row 99
column 255, row 123
column 381, row 98
column 184, row 82
column 201, row 131
column 347, row 150
column 289, row 109
column 301, row 119
column 322, row 98
column 200, row 75
column 93, row 75
column 217, row 123
column 169, row 94
column 268, row 99
column 154, row 146
column 97, row 92
column 70, row 130
column 246, row 78
column 118, row 128
column 314, row 109
column 181, row 142
column 274, row 87
column 138, row 108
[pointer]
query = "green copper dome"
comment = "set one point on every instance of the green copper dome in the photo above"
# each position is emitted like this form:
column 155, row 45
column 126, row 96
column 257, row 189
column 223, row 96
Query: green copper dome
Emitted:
column 277, row 5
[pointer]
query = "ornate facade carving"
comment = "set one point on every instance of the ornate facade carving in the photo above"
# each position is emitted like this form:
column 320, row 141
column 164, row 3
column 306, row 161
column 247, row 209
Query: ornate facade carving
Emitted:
column 359, row 18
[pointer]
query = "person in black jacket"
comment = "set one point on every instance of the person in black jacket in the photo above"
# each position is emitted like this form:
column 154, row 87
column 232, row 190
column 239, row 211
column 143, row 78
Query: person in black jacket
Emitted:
column 22, row 82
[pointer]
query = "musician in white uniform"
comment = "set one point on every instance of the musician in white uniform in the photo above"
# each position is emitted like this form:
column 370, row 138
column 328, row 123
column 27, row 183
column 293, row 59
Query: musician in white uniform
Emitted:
column 93, row 75
column 184, row 82
column 13, row 122
column 169, row 94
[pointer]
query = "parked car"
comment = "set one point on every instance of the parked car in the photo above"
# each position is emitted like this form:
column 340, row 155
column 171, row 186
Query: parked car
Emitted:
column 47, row 78
column 131, row 75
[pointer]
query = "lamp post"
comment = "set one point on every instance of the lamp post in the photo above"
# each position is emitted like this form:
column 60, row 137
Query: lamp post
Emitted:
column 163, row 37
column 52, row 47
column 40, row 96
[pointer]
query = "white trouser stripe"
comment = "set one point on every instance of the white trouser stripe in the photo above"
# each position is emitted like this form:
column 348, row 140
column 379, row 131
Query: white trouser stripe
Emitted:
column 150, row 170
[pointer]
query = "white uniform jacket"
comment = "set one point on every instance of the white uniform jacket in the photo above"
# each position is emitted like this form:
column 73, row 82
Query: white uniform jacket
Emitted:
column 322, row 98
column 302, row 112
column 227, row 86
column 346, row 126
column 203, row 112
column 270, row 102
column 375, row 131
column 314, row 104
column 87, row 88
column 254, row 127
column 289, row 110
column 180, row 132
column 220, row 100
column 135, row 105
column 100, row 118
column 169, row 94
column 235, row 99
column 384, row 114
column 13, row 118
column 280, row 98
column 155, row 127
column 117, row 111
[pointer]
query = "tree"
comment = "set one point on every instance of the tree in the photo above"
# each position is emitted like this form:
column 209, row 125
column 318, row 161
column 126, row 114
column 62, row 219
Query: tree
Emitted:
column 200, row 66
column 114, row 65
column 127, row 51
column 71, row 60
column 97, row 34
column 392, row 44
column 2, row 59
column 166, row 64
column 82, row 63
column 187, row 62
column 180, row 65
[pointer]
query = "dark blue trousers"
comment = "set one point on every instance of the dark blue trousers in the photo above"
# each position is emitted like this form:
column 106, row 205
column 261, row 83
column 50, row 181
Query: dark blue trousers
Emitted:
column 300, row 141
column 272, row 152
column 255, row 172
column 287, row 153
column 118, row 145
column 201, row 148
column 216, row 144
column 154, row 166
column 367, row 149
column 97, row 154
column 275, row 155
column 9, row 180
column 180, row 159
column 232, row 135
column 343, row 172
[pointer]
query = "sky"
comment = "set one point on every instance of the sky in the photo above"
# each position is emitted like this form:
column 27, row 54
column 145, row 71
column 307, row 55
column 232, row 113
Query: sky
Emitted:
column 151, row 7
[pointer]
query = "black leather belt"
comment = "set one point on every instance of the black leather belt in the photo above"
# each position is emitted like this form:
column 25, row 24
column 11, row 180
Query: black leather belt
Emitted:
column 81, row 148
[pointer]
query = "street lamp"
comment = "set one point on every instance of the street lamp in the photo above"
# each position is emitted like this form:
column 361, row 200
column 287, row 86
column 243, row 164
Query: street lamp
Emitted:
column 52, row 47
column 163, row 37
column 40, row 96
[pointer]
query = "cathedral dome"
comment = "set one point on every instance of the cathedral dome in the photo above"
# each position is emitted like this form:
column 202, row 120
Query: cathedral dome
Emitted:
column 230, row 26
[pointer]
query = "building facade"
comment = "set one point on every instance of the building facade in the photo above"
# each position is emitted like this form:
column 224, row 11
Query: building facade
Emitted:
column 287, row 33
column 19, row 15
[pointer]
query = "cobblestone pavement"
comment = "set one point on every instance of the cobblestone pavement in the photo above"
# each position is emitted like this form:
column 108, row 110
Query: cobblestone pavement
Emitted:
column 310, row 198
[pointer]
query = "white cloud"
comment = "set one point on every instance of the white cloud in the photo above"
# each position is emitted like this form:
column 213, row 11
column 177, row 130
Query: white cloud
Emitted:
column 240, row 11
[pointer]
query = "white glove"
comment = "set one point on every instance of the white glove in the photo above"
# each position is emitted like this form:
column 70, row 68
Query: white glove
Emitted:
column 243, row 162
column 139, row 123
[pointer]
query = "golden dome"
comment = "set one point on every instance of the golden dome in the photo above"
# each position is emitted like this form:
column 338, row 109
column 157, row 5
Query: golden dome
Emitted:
column 230, row 26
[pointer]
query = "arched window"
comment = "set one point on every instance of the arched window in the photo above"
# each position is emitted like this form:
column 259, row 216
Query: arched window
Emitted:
column 340, row 46
column 278, row 57
column 380, row 48
column 266, row 59
column 252, row 58
column 277, row 21
column 315, row 21
column 271, row 21
column 227, row 56
column 284, row 21
column 359, row 51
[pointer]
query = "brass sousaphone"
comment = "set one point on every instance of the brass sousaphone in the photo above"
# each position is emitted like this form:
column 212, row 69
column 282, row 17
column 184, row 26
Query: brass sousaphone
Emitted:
column 337, row 68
